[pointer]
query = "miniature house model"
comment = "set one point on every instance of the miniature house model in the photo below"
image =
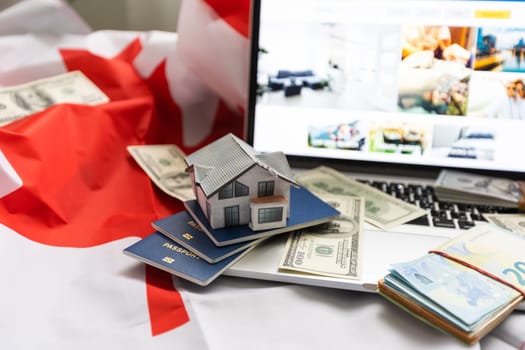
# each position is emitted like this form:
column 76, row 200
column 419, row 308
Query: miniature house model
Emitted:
column 235, row 186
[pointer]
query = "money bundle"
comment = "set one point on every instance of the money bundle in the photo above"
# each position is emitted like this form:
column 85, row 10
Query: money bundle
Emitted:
column 465, row 287
column 461, row 187
column 335, row 249
column 332, row 249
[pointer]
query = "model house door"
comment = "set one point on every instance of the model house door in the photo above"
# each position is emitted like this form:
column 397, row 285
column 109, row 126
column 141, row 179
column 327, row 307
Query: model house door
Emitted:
column 231, row 216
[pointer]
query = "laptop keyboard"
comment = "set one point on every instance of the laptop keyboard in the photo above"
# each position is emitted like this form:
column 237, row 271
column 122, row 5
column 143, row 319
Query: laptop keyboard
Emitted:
column 440, row 214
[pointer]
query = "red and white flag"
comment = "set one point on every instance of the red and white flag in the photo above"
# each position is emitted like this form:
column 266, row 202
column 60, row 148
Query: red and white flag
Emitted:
column 67, row 284
column 83, row 199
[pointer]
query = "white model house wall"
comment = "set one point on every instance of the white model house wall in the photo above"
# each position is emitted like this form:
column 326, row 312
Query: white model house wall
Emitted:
column 214, row 207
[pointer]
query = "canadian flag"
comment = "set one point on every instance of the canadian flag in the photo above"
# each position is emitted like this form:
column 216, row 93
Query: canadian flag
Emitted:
column 83, row 199
column 73, row 199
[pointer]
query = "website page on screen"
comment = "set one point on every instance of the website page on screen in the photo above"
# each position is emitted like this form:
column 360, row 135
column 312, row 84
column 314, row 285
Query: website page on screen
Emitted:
column 436, row 83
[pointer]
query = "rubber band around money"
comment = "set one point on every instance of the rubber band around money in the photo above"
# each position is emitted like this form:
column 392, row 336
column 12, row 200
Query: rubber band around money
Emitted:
column 521, row 203
column 476, row 268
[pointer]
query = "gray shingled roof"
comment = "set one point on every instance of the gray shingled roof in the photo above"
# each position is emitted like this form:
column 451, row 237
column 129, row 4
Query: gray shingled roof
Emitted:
column 227, row 158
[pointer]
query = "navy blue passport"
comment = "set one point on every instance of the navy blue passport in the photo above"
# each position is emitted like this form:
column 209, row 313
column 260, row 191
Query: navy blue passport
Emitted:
column 184, row 230
column 163, row 253
column 306, row 209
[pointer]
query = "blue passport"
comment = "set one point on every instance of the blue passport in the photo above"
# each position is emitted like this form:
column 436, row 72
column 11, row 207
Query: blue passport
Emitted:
column 163, row 253
column 306, row 209
column 184, row 230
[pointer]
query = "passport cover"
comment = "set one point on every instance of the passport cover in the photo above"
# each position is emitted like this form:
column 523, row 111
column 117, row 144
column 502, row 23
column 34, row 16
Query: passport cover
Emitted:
column 163, row 253
column 306, row 210
column 184, row 230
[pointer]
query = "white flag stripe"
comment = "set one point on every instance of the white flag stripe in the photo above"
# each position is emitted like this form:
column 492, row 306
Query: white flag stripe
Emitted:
column 158, row 46
column 197, row 101
column 9, row 179
column 221, row 58
column 78, row 298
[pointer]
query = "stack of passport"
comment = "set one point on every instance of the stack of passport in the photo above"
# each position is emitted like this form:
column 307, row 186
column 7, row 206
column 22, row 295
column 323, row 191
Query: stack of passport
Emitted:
column 465, row 287
column 184, row 244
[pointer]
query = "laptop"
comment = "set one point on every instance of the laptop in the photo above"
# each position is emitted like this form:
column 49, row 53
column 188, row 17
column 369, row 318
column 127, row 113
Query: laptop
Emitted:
column 389, row 93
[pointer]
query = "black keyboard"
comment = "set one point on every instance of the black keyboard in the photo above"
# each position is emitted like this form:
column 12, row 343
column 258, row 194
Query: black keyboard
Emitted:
column 440, row 214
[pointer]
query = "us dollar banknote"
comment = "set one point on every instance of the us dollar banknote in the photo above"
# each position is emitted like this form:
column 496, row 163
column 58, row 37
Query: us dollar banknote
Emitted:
column 381, row 209
column 457, row 186
column 22, row 100
column 332, row 249
column 165, row 166
column 511, row 222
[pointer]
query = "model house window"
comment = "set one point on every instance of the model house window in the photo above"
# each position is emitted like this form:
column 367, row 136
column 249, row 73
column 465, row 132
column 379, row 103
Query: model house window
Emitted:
column 231, row 216
column 226, row 191
column 265, row 188
column 270, row 214
column 241, row 190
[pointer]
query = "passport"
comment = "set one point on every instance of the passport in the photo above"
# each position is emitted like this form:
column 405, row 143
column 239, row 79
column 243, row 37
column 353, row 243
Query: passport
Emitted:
column 306, row 209
column 184, row 230
column 161, row 252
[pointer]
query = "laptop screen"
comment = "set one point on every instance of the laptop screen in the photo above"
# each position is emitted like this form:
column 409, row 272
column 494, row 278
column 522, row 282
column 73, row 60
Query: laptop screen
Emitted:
column 426, row 83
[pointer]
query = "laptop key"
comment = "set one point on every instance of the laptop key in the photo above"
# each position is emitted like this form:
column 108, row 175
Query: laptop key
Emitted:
column 425, row 205
column 439, row 213
column 443, row 222
column 459, row 215
column 465, row 224
column 477, row 217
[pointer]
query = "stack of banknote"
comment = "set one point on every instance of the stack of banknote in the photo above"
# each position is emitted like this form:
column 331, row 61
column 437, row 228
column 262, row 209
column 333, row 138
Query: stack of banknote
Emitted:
column 332, row 249
column 465, row 287
column 461, row 187
column 335, row 249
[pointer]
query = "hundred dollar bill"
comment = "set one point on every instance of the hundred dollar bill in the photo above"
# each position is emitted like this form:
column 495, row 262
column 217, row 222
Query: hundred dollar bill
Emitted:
column 21, row 100
column 381, row 209
column 512, row 222
column 332, row 249
column 165, row 166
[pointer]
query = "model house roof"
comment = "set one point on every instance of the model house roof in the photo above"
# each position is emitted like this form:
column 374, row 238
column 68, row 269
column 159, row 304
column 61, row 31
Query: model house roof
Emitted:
column 229, row 157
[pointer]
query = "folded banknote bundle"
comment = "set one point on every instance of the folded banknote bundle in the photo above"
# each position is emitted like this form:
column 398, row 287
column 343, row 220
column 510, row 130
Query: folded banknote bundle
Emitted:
column 465, row 287
column 461, row 187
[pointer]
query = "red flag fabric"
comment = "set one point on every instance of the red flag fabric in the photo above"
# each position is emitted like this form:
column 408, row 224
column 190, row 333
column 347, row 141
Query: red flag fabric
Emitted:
column 83, row 200
column 235, row 13
column 78, row 177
